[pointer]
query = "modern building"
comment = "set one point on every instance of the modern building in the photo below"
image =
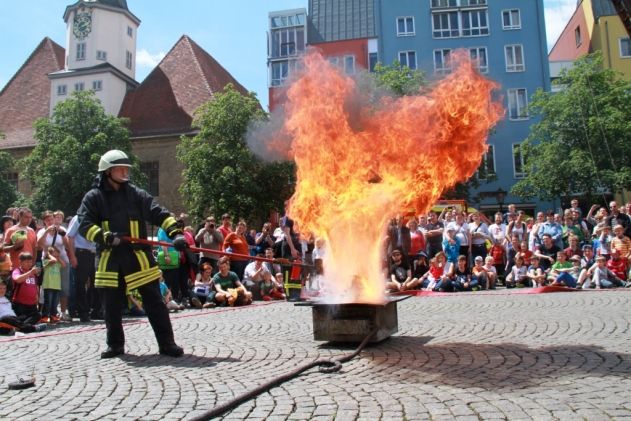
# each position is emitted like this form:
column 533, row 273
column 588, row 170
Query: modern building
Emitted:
column 100, row 55
column 594, row 26
column 506, row 37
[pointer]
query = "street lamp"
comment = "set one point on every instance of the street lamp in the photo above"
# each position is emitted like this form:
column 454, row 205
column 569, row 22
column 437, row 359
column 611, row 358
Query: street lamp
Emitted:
column 500, row 195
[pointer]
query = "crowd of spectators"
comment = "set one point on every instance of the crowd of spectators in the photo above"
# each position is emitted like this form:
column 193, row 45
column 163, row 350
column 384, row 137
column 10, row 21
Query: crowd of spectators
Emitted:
column 459, row 251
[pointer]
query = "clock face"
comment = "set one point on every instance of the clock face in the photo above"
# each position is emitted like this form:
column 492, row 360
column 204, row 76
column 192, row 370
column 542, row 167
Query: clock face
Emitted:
column 82, row 25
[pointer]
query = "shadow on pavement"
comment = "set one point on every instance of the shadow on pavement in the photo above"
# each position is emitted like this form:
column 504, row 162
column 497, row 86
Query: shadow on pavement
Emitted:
column 492, row 366
column 187, row 360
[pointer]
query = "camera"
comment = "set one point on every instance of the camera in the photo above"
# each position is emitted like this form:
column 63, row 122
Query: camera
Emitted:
column 211, row 226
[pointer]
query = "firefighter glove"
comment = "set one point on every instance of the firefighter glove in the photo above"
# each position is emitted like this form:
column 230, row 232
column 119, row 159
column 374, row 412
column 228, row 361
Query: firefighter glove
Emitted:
column 112, row 239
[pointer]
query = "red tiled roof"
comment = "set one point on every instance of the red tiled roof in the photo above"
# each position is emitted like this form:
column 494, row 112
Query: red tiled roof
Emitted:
column 166, row 100
column 26, row 97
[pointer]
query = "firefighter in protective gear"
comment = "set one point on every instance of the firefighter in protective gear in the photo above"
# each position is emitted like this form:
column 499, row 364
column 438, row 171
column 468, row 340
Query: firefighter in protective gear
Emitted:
column 114, row 208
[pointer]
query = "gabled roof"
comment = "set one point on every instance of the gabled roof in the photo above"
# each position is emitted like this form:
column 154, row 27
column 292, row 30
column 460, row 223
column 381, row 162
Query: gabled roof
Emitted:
column 114, row 5
column 26, row 97
column 603, row 8
column 166, row 100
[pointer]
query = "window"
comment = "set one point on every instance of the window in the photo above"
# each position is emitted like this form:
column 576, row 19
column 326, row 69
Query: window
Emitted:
column 445, row 25
column 130, row 31
column 349, row 65
column 101, row 55
column 444, row 3
column 511, row 19
column 625, row 47
column 487, row 166
column 464, row 3
column 97, row 85
column 474, row 23
column 287, row 42
column 280, row 71
column 514, row 58
column 288, row 20
column 478, row 55
column 373, row 58
column 518, row 104
column 442, row 64
column 519, row 169
column 79, row 86
column 152, row 171
column 81, row 51
column 405, row 26
column 12, row 178
column 62, row 90
column 577, row 36
column 128, row 60
column 408, row 58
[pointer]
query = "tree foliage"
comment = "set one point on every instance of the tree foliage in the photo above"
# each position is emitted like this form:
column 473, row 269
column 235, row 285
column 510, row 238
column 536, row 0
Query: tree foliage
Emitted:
column 8, row 193
column 221, row 173
column 582, row 143
column 400, row 80
column 62, row 166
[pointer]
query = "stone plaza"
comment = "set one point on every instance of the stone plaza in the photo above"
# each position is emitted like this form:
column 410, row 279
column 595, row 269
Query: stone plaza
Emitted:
column 466, row 356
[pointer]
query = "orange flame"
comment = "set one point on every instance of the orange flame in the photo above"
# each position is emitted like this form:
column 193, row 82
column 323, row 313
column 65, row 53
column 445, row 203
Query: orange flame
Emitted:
column 360, row 164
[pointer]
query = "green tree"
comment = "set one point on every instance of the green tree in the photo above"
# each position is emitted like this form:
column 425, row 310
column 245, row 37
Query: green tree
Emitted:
column 400, row 80
column 221, row 173
column 63, row 164
column 8, row 193
column 582, row 142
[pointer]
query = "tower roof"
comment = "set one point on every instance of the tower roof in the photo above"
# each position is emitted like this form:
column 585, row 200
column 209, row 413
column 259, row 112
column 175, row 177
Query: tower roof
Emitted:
column 119, row 5
column 166, row 100
column 26, row 97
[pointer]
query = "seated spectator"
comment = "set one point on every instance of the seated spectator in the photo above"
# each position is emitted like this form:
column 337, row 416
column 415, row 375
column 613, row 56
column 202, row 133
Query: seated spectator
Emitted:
column 253, row 275
column 518, row 275
column 536, row 275
column 204, row 292
column 26, row 290
column 525, row 252
column 561, row 265
column 618, row 265
column 602, row 277
column 547, row 252
column 436, row 273
column 574, row 248
column 134, row 304
column 8, row 316
column 513, row 249
column 228, row 287
column 271, row 289
column 171, row 304
column 461, row 277
column 480, row 272
column 399, row 273
column 491, row 271
column 498, row 253
column 567, row 276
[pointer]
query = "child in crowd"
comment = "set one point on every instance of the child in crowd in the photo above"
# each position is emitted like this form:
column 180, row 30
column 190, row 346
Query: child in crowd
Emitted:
column 513, row 249
column 621, row 243
column 134, row 304
column 9, row 318
column 451, row 248
column 603, row 277
column 604, row 241
column 204, row 289
column 480, row 272
column 518, row 274
column 51, row 285
column 270, row 289
column 420, row 266
column 171, row 304
column 491, row 271
column 525, row 252
column 618, row 265
column 498, row 253
column 567, row 276
column 26, row 290
column 536, row 274
column 461, row 279
column 5, row 271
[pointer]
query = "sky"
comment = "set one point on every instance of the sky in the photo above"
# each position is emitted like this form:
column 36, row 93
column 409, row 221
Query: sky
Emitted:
column 234, row 32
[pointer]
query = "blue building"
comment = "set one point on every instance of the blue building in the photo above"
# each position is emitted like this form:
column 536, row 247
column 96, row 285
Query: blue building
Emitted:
column 506, row 37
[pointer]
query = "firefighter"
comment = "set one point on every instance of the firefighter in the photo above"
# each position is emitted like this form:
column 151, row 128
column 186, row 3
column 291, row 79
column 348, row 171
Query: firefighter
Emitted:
column 112, row 209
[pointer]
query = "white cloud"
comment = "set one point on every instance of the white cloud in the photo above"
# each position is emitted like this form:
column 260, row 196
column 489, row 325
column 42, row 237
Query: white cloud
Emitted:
column 147, row 60
column 558, row 13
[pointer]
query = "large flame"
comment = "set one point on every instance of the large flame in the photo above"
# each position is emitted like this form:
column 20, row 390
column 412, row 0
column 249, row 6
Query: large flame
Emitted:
column 359, row 164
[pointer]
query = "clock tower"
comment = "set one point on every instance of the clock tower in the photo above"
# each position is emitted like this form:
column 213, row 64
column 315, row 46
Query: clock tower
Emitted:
column 100, row 52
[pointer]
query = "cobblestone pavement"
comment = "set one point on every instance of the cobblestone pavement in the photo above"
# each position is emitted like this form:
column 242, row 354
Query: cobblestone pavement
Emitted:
column 562, row 356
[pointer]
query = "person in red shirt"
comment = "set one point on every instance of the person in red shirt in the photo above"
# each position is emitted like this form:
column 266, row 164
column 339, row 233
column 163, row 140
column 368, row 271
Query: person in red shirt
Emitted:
column 618, row 265
column 226, row 225
column 237, row 243
column 21, row 237
column 417, row 243
column 26, row 290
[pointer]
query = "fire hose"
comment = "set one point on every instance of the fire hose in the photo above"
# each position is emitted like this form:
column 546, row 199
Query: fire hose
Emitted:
column 326, row 365
column 284, row 262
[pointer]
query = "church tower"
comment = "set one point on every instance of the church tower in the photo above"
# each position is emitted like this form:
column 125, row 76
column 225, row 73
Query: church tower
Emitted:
column 100, row 53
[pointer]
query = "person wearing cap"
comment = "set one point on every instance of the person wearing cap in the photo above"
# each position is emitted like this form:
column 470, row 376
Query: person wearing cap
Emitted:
column 451, row 247
column 535, row 273
column 482, row 274
column 115, row 208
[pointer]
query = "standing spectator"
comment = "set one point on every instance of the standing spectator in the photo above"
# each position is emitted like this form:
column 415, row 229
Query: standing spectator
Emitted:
column 517, row 226
column 54, row 235
column 512, row 210
column 479, row 232
column 462, row 234
column 209, row 237
column 553, row 229
column 87, row 299
column 20, row 237
column 51, row 284
column 497, row 230
column 621, row 243
column 618, row 218
column 574, row 207
column 226, row 225
column 237, row 242
column 533, row 237
column 434, row 235
column 264, row 239
column 417, row 239
column 399, row 236
column 169, row 263
column 6, row 222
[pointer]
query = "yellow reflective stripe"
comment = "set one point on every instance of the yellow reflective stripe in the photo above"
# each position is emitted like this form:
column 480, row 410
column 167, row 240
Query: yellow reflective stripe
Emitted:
column 141, row 278
column 105, row 256
column 168, row 222
column 106, row 279
column 106, row 225
column 133, row 229
column 92, row 233
column 142, row 273
column 142, row 259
